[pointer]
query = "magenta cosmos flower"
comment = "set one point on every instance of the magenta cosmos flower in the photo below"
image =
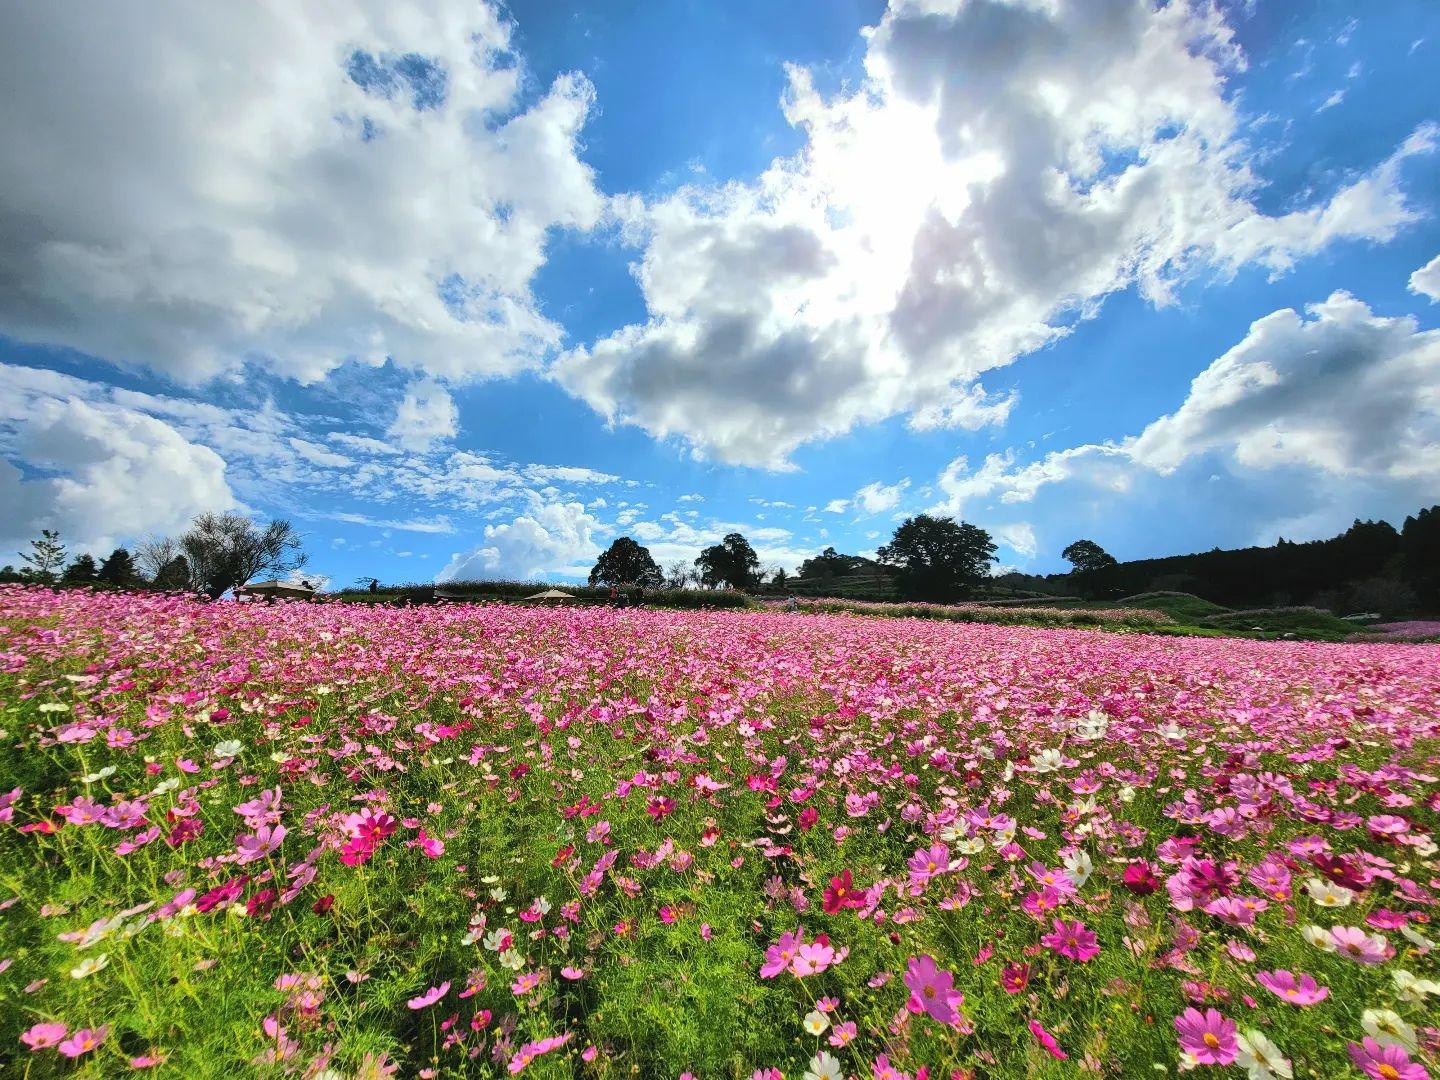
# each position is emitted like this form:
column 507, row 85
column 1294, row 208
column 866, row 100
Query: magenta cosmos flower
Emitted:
column 1385, row 1062
column 1296, row 989
column 1073, row 940
column 1047, row 1040
column 932, row 990
column 1208, row 1037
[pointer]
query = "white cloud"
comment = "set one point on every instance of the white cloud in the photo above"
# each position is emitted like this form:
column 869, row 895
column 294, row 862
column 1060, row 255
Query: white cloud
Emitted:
column 548, row 539
column 837, row 506
column 877, row 497
column 1426, row 280
column 426, row 415
column 1336, row 396
column 110, row 474
column 1019, row 537
column 206, row 185
column 892, row 261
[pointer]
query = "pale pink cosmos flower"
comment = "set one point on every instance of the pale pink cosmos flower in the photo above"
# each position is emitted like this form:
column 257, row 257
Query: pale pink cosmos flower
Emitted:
column 429, row 997
column 1359, row 946
column 44, row 1035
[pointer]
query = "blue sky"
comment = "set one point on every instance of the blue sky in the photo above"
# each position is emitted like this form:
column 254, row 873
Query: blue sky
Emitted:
column 474, row 290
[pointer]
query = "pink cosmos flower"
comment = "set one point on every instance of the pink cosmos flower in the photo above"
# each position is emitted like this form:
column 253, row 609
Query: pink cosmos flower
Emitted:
column 1297, row 990
column 812, row 958
column 83, row 1041
column 929, row 862
column 1072, row 940
column 428, row 845
column 932, row 990
column 266, row 839
column 429, row 997
column 572, row 973
column 1208, row 1037
column 1385, row 1062
column 43, row 1036
column 1047, row 1040
column 779, row 955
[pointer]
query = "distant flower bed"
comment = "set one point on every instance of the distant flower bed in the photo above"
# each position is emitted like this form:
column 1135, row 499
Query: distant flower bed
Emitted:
column 331, row 841
column 988, row 613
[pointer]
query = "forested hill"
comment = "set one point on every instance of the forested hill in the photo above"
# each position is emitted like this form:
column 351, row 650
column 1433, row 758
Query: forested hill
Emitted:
column 1355, row 569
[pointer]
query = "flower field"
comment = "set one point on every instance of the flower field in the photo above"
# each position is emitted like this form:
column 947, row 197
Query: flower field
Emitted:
column 325, row 840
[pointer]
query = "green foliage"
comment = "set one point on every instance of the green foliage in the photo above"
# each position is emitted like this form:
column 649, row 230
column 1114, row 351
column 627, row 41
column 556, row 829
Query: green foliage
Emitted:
column 731, row 562
column 938, row 558
column 626, row 562
column 46, row 556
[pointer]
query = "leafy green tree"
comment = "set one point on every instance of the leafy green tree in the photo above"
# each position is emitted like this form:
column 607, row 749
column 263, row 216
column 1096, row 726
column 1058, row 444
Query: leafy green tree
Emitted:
column 46, row 556
column 938, row 558
column 626, row 562
column 119, row 569
column 81, row 571
column 1420, row 555
column 731, row 562
column 173, row 576
column 1093, row 566
column 226, row 550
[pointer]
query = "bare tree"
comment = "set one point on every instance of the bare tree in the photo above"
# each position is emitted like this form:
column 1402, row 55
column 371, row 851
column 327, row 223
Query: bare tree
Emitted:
column 678, row 574
column 154, row 553
column 227, row 550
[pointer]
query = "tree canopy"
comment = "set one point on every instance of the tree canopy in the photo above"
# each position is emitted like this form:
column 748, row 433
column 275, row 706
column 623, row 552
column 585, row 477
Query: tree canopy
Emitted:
column 626, row 562
column 938, row 558
column 1092, row 565
column 731, row 562
column 226, row 550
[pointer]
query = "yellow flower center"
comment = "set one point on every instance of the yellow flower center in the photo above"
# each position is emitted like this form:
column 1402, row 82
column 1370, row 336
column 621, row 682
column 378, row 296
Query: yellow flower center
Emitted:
column 1211, row 1041
column 1389, row 1072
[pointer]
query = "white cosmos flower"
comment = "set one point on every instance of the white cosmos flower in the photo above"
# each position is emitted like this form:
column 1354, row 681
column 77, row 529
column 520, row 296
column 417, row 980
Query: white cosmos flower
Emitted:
column 1419, row 940
column 824, row 1066
column 228, row 748
column 1080, row 867
column 1047, row 761
column 1328, row 894
column 1387, row 1028
column 1412, row 989
column 512, row 960
column 89, row 966
column 1093, row 726
column 816, row 1022
column 971, row 845
column 1319, row 937
column 1261, row 1058
column 1171, row 730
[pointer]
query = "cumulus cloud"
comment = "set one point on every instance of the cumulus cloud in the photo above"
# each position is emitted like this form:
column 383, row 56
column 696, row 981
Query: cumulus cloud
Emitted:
column 550, row 538
column 1426, row 280
column 203, row 186
column 107, row 474
column 1307, row 407
column 425, row 415
column 892, row 261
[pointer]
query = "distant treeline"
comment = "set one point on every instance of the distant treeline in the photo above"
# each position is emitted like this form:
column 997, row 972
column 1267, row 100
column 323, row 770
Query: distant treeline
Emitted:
column 1371, row 566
